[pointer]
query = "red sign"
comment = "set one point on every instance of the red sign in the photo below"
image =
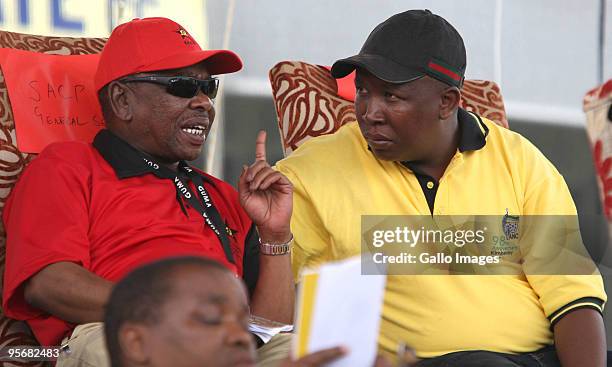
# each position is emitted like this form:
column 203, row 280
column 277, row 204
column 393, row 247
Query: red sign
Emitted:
column 52, row 97
column 346, row 86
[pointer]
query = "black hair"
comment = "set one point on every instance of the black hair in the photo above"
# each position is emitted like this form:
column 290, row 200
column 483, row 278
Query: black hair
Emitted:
column 139, row 297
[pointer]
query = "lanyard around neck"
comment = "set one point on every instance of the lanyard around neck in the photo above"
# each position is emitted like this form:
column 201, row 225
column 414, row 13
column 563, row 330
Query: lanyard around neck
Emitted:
column 204, row 206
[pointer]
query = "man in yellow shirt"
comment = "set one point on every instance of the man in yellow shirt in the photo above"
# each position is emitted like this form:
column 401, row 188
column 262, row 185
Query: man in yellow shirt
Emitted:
column 413, row 151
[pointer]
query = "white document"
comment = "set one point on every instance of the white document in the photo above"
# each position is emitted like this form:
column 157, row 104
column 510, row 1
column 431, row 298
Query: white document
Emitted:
column 338, row 306
column 267, row 329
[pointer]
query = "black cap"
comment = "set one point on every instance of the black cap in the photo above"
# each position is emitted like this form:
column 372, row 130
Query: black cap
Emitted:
column 407, row 46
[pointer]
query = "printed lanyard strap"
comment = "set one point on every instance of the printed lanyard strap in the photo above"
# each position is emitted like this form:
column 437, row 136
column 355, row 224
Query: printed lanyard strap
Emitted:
column 205, row 207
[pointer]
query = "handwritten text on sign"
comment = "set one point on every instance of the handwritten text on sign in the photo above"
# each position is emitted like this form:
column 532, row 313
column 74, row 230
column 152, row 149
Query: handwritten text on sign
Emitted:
column 52, row 97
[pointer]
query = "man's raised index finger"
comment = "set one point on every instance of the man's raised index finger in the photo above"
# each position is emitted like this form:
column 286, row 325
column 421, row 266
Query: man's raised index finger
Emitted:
column 260, row 146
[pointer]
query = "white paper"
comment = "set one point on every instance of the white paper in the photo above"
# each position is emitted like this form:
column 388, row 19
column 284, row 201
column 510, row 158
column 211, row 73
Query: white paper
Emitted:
column 266, row 329
column 347, row 312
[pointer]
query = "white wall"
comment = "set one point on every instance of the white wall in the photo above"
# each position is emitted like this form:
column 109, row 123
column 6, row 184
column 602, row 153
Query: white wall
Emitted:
column 546, row 61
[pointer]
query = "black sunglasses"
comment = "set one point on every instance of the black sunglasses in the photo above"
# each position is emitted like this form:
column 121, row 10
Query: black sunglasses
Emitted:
column 180, row 86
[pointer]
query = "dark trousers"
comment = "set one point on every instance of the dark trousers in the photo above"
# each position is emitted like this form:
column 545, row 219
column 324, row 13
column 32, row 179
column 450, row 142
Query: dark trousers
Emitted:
column 546, row 357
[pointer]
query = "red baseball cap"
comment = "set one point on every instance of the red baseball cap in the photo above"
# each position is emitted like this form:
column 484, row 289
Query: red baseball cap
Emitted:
column 152, row 44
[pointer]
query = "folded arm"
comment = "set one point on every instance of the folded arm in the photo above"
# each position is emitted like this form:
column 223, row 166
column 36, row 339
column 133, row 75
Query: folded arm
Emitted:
column 68, row 291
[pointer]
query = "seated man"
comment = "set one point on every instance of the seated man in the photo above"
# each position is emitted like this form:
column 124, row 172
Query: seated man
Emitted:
column 413, row 151
column 185, row 312
column 83, row 215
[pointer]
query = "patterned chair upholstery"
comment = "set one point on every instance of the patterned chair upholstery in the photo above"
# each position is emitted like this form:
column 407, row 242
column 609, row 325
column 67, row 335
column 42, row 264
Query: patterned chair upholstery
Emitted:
column 308, row 105
column 12, row 161
column 597, row 105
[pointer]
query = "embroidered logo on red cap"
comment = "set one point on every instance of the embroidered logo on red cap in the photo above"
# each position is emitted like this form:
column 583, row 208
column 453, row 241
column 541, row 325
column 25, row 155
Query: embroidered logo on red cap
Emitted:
column 185, row 36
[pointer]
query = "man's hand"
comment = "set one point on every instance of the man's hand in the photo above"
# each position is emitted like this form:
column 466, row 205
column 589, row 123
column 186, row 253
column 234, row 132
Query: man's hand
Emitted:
column 316, row 359
column 266, row 196
column 325, row 356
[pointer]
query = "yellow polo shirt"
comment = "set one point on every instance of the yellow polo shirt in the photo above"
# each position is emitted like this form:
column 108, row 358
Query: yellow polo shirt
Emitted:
column 337, row 180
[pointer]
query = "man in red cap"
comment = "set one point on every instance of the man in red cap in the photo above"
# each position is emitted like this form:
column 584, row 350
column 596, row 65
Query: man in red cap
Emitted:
column 84, row 215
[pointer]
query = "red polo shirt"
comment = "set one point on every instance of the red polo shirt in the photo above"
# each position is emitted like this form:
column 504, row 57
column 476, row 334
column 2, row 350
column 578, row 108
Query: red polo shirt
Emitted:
column 101, row 208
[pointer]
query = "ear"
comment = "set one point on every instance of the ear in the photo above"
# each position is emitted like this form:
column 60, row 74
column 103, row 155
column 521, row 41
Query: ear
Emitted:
column 120, row 97
column 134, row 343
column 449, row 101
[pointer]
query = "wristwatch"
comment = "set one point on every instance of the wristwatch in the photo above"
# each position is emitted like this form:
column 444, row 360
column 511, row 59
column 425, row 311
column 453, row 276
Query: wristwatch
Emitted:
column 276, row 249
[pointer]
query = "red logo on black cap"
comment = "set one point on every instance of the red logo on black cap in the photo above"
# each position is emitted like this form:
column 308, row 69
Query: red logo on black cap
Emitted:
column 185, row 36
column 444, row 72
